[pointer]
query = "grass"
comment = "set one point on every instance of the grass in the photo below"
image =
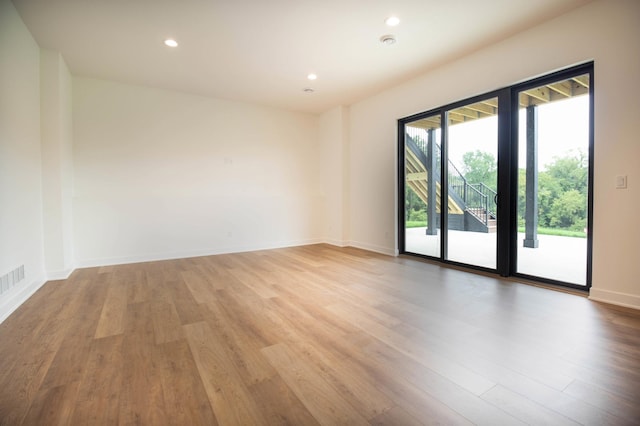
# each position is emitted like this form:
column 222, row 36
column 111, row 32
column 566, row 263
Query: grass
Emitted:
column 558, row 231
column 415, row 223
column 542, row 231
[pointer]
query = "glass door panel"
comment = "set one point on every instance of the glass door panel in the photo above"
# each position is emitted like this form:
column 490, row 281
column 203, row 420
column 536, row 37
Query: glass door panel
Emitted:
column 553, row 180
column 422, row 186
column 448, row 180
column 472, row 152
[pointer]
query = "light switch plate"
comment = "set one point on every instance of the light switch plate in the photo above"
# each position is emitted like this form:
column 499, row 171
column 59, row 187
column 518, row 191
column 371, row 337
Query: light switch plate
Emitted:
column 621, row 182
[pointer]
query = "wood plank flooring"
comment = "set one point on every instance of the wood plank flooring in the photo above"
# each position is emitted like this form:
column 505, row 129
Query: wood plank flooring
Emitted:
column 314, row 335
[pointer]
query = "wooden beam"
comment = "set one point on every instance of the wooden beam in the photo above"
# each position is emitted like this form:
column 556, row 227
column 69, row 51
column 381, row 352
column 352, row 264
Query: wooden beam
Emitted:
column 453, row 207
column 432, row 122
column 420, row 189
column 413, row 161
column 563, row 88
column 484, row 108
column 455, row 117
column 467, row 113
column 582, row 80
column 578, row 89
column 493, row 102
column 525, row 100
column 416, row 176
column 540, row 93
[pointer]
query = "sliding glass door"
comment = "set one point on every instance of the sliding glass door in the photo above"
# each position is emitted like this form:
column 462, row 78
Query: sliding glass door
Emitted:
column 472, row 181
column 456, row 162
column 422, row 185
column 502, row 182
column 553, row 179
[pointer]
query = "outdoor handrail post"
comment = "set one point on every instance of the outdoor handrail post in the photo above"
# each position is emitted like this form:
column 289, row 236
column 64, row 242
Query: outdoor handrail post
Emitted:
column 486, row 211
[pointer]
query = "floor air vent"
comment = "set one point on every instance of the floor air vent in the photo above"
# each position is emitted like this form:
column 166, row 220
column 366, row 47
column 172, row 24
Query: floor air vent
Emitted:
column 10, row 279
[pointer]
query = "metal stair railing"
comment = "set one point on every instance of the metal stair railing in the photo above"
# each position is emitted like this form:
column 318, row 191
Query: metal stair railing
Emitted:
column 477, row 204
column 492, row 197
column 479, row 199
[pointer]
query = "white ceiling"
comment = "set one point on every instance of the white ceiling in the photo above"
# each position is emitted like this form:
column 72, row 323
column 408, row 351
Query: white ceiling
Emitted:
column 261, row 51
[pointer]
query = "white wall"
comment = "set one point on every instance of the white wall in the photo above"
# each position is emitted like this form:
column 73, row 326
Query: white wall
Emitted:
column 57, row 163
column 21, row 241
column 161, row 174
column 334, row 161
column 607, row 32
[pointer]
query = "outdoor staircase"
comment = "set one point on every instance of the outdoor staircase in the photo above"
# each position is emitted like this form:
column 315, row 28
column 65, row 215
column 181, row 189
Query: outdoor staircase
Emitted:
column 477, row 202
column 481, row 215
column 416, row 177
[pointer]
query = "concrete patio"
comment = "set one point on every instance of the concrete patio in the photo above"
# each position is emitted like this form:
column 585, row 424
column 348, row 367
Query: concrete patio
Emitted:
column 558, row 258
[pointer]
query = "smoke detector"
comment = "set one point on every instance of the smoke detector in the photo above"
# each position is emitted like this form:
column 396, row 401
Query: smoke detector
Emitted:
column 388, row 39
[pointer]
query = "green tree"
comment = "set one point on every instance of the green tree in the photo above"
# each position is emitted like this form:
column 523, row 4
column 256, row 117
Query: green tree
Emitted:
column 549, row 189
column 562, row 193
column 570, row 172
column 480, row 167
column 562, row 187
column 568, row 210
column 415, row 208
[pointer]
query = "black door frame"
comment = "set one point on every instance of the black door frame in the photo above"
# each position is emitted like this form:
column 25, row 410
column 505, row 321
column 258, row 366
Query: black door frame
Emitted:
column 564, row 74
column 507, row 228
column 503, row 96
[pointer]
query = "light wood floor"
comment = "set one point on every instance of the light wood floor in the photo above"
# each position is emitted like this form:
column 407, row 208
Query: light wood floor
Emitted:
column 313, row 335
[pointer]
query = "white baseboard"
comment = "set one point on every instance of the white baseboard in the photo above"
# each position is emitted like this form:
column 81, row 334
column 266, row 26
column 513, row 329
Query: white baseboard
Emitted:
column 12, row 299
column 372, row 247
column 59, row 275
column 152, row 257
column 336, row 243
column 615, row 298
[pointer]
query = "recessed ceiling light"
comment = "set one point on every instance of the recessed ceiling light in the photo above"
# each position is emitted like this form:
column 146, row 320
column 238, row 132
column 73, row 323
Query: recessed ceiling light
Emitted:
column 171, row 42
column 392, row 21
column 388, row 39
column 312, row 76
column 308, row 90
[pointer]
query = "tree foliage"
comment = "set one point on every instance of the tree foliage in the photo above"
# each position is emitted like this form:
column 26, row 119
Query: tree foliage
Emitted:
column 568, row 210
column 568, row 189
column 415, row 208
column 562, row 189
column 480, row 167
